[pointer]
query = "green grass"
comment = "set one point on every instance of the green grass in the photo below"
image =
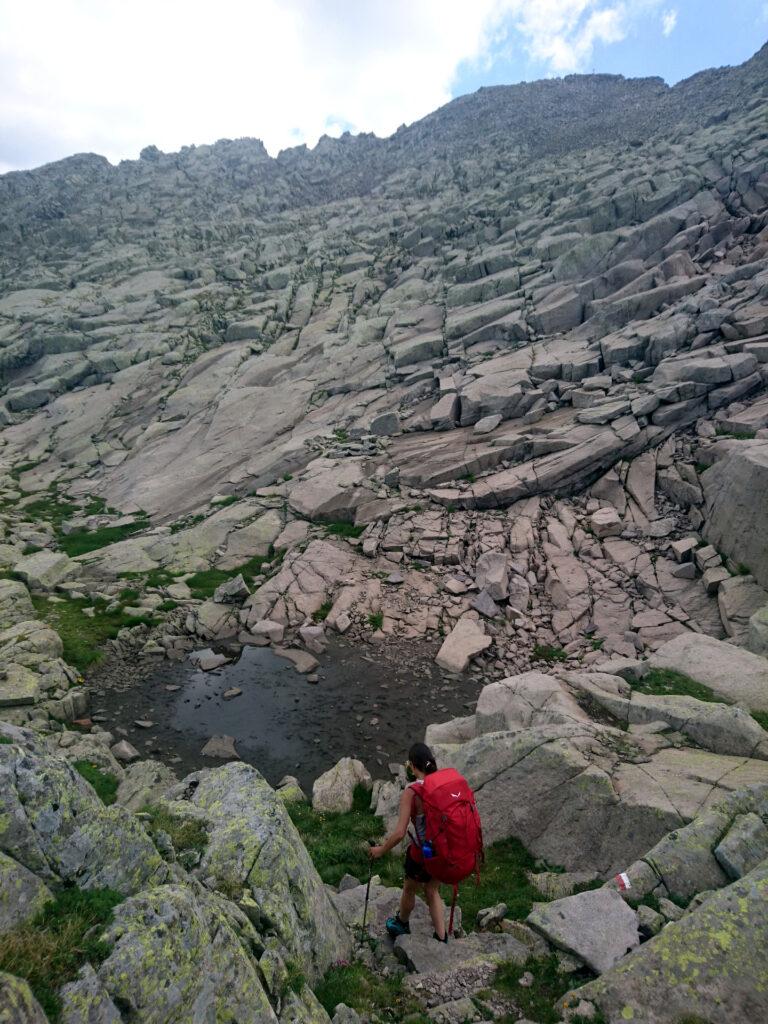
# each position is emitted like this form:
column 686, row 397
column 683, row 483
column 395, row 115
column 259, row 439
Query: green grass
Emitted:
column 596, row 643
column 503, row 879
column 549, row 652
column 128, row 595
column 226, row 502
column 666, row 682
column 537, row 1000
column 371, row 995
column 80, row 542
column 50, row 950
column 7, row 740
column 341, row 434
column 51, row 509
column 761, row 717
column 23, row 467
column 337, row 842
column 185, row 833
column 154, row 578
column 295, row 978
column 203, row 584
column 322, row 612
column 105, row 783
column 737, row 435
column 344, row 529
column 376, row 620
column 167, row 606
column 83, row 635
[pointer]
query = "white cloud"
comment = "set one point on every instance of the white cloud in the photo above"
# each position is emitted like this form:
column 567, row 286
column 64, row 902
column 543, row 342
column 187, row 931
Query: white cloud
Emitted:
column 669, row 21
column 111, row 77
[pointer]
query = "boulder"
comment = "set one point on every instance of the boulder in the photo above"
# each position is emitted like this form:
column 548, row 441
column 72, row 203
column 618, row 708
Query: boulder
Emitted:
column 22, row 894
column 45, row 569
column 606, row 522
column 738, row 599
column 730, row 672
column 18, row 686
column 335, row 789
column 466, row 639
column 736, row 497
column 757, row 633
column 207, row 660
column 254, row 849
column 221, row 747
column 596, row 926
column 60, row 829
column 744, row 846
column 17, row 1004
column 15, row 603
column 175, row 953
column 233, row 591
column 708, row 961
column 524, row 701
column 492, row 574
column 143, row 783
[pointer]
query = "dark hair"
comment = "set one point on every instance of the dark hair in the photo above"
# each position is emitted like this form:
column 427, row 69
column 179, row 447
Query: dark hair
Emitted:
column 421, row 757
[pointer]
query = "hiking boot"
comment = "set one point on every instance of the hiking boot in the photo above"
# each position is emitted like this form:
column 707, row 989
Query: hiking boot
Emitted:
column 397, row 927
column 444, row 939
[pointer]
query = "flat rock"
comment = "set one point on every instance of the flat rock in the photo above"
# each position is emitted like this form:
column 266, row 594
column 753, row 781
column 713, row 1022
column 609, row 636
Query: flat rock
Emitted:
column 221, row 747
column 729, row 671
column 208, row 660
column 597, row 926
column 466, row 639
column 424, row 955
column 22, row 894
column 334, row 790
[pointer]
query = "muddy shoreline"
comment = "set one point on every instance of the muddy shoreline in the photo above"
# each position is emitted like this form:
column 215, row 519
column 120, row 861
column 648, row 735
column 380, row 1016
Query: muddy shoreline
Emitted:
column 370, row 701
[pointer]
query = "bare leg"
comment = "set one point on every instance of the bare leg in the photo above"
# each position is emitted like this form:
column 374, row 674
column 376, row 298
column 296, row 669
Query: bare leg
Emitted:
column 407, row 899
column 436, row 908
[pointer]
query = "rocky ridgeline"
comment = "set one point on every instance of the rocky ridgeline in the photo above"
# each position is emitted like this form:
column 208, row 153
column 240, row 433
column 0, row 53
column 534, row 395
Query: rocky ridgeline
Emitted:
column 494, row 388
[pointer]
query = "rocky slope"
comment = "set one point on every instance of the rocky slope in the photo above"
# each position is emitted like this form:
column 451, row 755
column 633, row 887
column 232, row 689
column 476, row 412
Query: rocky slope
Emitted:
column 496, row 384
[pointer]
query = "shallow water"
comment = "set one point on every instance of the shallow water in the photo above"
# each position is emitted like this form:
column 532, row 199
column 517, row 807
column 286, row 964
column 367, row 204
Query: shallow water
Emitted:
column 370, row 703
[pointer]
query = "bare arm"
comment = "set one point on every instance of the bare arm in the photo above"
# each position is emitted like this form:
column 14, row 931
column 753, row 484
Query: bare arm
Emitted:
column 400, row 829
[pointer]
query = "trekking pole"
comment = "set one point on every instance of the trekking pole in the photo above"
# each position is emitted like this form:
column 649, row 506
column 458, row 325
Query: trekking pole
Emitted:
column 367, row 894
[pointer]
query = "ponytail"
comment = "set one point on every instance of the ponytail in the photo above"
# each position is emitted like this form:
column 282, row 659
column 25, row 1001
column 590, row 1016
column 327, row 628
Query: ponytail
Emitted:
column 421, row 757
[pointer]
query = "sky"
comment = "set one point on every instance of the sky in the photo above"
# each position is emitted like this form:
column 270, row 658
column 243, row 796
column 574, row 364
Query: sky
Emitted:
column 113, row 76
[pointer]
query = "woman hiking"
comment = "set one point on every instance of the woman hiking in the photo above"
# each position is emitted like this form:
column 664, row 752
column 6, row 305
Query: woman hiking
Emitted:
column 421, row 762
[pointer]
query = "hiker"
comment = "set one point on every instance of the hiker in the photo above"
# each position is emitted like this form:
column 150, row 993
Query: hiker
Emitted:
column 438, row 812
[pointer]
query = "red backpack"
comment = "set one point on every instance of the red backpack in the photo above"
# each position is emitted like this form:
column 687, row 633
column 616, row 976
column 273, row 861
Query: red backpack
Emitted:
column 452, row 830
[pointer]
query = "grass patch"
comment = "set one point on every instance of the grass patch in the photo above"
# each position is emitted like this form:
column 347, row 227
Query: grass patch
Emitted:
column 188, row 523
column 50, row 509
column 167, row 606
column 23, row 467
column 185, row 833
column 80, row 542
column 225, row 502
column 666, row 682
column 761, row 717
column 128, row 595
column 344, row 530
column 6, row 740
column 336, row 842
column 549, row 652
column 341, row 434
column 537, row 1001
column 371, row 995
column 737, row 435
column 502, row 879
column 295, row 978
column 83, row 635
column 376, row 620
column 322, row 612
column 105, row 783
column 596, row 643
column 50, row 950
column 203, row 584
column 154, row 578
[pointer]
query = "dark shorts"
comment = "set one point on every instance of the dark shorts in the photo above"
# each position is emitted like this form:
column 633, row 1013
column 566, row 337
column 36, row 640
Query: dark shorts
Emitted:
column 415, row 870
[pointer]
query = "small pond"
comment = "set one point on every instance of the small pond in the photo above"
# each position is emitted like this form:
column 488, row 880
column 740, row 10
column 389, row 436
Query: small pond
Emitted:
column 368, row 702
